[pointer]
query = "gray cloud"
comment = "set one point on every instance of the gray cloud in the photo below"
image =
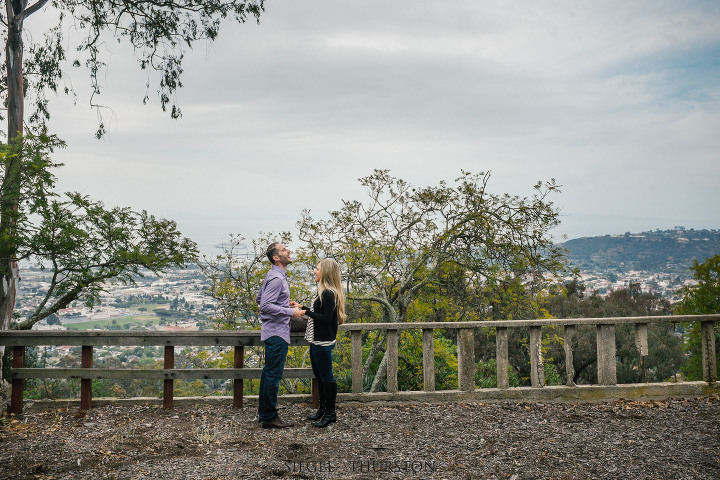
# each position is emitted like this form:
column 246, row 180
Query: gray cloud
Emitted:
column 618, row 101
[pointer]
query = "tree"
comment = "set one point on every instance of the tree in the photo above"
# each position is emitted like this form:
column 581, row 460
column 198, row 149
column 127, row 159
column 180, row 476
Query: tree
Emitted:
column 665, row 353
column 158, row 32
column 235, row 278
column 80, row 241
column 403, row 238
column 702, row 298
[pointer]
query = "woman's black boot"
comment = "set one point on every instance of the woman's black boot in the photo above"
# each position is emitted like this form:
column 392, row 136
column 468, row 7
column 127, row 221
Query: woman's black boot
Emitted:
column 321, row 403
column 330, row 396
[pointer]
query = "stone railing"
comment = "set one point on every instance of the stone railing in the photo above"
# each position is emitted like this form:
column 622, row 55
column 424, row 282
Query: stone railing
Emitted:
column 605, row 335
column 606, row 361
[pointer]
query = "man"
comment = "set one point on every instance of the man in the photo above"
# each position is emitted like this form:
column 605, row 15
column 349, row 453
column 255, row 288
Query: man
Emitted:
column 275, row 313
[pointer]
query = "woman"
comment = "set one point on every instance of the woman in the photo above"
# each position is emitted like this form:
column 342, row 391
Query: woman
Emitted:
column 327, row 313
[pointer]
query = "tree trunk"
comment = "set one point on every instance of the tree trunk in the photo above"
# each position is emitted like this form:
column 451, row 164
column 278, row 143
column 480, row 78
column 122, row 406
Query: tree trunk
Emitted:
column 380, row 375
column 391, row 317
column 580, row 369
column 11, row 183
column 373, row 352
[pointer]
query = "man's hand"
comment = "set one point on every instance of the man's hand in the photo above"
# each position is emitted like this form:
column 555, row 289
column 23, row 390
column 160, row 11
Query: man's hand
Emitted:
column 298, row 312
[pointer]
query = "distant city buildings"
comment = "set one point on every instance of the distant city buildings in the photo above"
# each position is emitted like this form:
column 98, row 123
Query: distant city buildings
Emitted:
column 666, row 285
column 182, row 288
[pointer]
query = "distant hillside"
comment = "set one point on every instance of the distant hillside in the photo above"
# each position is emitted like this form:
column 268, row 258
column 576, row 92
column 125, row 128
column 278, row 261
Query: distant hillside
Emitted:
column 658, row 251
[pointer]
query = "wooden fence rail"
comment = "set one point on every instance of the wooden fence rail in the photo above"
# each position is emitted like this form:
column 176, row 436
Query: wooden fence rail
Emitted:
column 20, row 340
column 604, row 327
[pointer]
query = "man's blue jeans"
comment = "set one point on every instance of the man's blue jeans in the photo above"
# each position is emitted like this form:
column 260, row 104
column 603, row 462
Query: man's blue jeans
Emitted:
column 275, row 352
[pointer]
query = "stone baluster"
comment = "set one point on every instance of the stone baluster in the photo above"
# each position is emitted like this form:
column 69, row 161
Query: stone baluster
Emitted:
column 466, row 359
column 607, row 369
column 501, row 357
column 428, row 360
column 569, row 335
column 392, row 361
column 537, row 369
column 356, row 361
column 708, row 352
column 641, row 343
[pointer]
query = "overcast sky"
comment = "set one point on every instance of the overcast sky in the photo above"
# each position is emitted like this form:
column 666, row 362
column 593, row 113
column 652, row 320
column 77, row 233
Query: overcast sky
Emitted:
column 619, row 101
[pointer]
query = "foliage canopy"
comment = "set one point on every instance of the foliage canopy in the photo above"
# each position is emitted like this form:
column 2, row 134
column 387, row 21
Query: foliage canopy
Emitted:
column 80, row 241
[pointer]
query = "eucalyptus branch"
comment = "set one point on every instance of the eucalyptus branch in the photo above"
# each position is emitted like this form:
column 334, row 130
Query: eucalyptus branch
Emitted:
column 63, row 302
column 48, row 295
column 32, row 9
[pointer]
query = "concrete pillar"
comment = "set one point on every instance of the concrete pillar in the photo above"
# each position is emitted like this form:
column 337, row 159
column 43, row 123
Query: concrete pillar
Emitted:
column 356, row 360
column 466, row 359
column 641, row 343
column 570, row 331
column 428, row 360
column 392, row 361
column 501, row 357
column 641, row 338
column 537, row 370
column 607, row 371
column 708, row 352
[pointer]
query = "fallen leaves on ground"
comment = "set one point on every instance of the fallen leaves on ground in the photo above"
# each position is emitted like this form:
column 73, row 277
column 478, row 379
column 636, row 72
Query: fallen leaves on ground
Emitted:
column 674, row 438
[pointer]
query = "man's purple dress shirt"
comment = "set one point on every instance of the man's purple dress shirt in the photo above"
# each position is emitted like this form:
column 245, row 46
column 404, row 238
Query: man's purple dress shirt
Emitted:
column 274, row 301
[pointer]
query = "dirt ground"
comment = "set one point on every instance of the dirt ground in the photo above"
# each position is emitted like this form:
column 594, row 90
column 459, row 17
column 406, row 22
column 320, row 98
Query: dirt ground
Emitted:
column 671, row 439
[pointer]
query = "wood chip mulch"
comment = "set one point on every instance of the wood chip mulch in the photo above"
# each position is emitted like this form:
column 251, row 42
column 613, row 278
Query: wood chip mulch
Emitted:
column 669, row 439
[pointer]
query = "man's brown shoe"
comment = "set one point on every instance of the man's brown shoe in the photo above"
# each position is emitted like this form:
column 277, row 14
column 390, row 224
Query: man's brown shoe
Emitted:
column 277, row 423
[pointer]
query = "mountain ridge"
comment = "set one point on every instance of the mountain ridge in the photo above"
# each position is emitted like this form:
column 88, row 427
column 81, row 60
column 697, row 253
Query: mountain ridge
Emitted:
column 657, row 251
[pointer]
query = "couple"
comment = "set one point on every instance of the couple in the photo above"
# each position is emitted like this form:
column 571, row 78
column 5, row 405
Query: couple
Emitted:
column 276, row 309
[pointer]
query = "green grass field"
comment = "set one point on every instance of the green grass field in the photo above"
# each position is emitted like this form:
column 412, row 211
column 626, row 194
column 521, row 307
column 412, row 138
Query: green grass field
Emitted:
column 133, row 322
column 137, row 320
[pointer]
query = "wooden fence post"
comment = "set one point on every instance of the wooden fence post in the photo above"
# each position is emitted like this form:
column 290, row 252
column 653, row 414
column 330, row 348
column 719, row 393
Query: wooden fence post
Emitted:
column 238, row 384
column 86, row 383
column 168, row 382
column 428, row 360
column 314, row 393
column 18, row 384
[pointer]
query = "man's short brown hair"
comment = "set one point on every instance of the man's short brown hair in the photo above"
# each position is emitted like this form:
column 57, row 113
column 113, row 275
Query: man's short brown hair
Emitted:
column 272, row 250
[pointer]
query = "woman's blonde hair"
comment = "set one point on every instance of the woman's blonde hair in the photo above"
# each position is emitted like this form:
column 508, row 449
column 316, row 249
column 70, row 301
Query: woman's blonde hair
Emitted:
column 330, row 280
